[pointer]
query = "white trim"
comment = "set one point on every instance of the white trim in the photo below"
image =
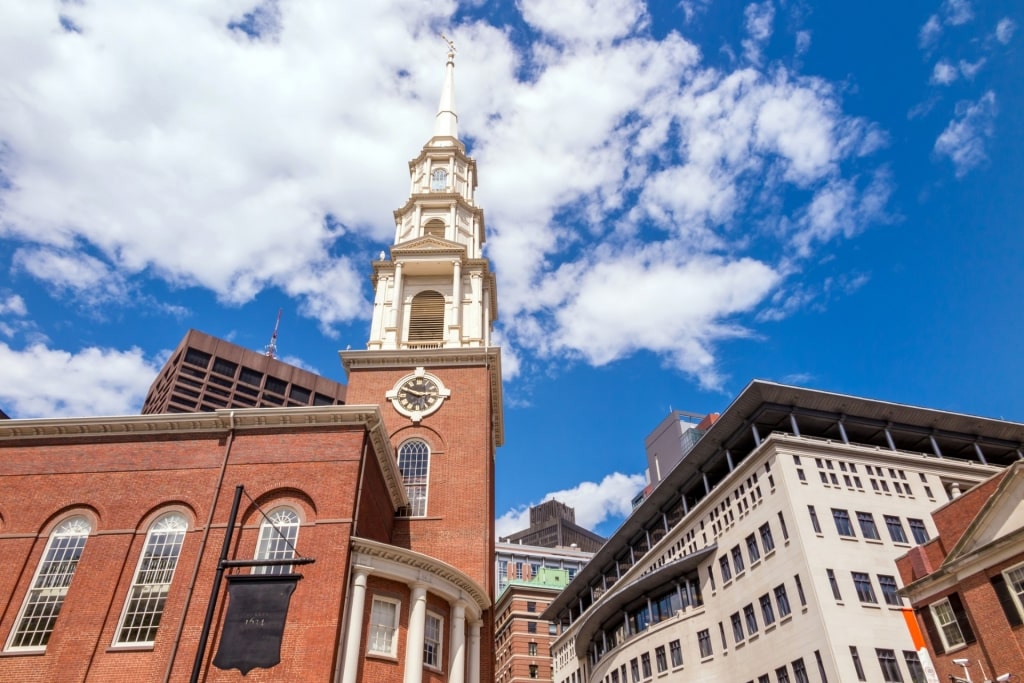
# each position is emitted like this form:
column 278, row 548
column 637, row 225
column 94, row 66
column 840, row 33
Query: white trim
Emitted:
column 939, row 625
column 393, row 636
column 439, row 641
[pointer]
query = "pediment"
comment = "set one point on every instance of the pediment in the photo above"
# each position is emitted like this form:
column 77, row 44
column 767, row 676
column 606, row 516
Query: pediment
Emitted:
column 1001, row 516
column 427, row 244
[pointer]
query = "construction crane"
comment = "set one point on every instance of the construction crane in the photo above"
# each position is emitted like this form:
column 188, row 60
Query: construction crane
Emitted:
column 271, row 349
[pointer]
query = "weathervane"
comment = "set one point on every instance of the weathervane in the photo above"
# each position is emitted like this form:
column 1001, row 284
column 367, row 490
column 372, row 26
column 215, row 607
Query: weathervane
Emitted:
column 451, row 46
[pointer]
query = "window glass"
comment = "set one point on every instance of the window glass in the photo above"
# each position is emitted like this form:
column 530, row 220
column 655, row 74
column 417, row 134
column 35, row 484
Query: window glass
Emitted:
column 414, row 464
column 895, row 527
column 890, row 667
column 383, row 624
column 704, row 643
column 945, row 619
column 144, row 607
column 867, row 525
column 766, row 537
column 279, row 532
column 814, row 519
column 918, row 530
column 432, row 635
column 843, row 524
column 862, row 584
column 889, row 588
column 767, row 612
column 676, row 653
column 782, row 600
column 857, row 666
column 50, row 586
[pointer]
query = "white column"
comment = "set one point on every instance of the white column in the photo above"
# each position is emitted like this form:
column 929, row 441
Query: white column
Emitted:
column 396, row 302
column 457, row 660
column 354, row 632
column 414, row 639
column 473, row 675
column 456, row 318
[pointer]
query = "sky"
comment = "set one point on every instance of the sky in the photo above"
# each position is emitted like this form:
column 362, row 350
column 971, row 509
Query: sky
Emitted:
column 680, row 197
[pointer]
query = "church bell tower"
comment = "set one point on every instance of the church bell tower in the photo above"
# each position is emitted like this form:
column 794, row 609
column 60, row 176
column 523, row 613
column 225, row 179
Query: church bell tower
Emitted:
column 430, row 366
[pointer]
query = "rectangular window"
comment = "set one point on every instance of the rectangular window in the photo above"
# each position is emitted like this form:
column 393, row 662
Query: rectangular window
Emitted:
column 821, row 666
column 432, row 634
column 895, row 527
column 531, row 649
column 833, row 584
column 914, row 667
column 782, row 600
column 782, row 525
column 383, row 625
column 615, row 676
column 889, row 588
column 842, row 520
column 918, row 530
column 1015, row 581
column 867, row 525
column 659, row 658
column 704, row 643
column 531, row 627
column 814, row 519
column 737, row 627
column 890, row 667
column 800, row 590
column 737, row 559
column 726, row 569
column 767, row 542
column 531, row 607
column 945, row 619
column 675, row 653
column 767, row 612
column 862, row 584
column 800, row 671
column 645, row 664
column 534, row 671
column 857, row 666
column 782, row 675
column 634, row 667
column 751, row 619
column 752, row 551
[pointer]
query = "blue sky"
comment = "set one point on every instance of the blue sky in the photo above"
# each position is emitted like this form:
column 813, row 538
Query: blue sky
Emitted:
column 680, row 197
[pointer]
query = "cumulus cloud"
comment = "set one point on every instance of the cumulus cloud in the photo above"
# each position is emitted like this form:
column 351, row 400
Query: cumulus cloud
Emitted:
column 1005, row 30
column 964, row 139
column 944, row 73
column 38, row 381
column 12, row 304
column 589, row 21
column 594, row 502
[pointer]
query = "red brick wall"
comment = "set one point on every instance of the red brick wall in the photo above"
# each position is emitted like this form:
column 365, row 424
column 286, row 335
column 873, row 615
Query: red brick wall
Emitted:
column 127, row 483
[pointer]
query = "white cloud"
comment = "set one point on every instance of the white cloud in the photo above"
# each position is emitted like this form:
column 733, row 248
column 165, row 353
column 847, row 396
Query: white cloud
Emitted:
column 803, row 42
column 13, row 305
column 41, row 382
column 957, row 12
column 759, row 19
column 1005, row 30
column 86, row 276
column 970, row 69
column 594, row 503
column 964, row 139
column 588, row 21
column 944, row 73
column 930, row 31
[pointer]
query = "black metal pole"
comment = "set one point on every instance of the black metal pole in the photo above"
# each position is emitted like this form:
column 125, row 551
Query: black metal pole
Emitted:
column 211, row 606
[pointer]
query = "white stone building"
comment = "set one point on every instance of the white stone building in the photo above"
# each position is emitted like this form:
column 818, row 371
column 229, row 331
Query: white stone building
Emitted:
column 768, row 553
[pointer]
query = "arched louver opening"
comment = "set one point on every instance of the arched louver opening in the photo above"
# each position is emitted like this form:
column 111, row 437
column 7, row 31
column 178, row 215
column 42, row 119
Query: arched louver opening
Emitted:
column 434, row 228
column 426, row 318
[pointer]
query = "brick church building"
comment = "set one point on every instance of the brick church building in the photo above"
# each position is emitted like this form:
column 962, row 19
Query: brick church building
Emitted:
column 112, row 528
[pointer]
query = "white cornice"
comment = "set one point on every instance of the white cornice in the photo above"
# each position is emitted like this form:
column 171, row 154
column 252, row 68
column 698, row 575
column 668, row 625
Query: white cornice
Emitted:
column 366, row 417
column 409, row 566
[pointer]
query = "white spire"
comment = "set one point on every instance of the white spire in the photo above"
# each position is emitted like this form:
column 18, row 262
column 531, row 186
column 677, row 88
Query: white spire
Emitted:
column 447, row 122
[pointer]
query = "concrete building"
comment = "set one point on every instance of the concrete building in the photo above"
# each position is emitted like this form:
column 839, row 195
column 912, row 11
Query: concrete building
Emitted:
column 109, row 527
column 671, row 440
column 966, row 585
column 518, row 562
column 553, row 525
column 206, row 373
column 768, row 553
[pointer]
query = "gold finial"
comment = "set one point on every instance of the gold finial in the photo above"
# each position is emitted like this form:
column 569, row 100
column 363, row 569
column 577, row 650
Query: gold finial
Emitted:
column 451, row 46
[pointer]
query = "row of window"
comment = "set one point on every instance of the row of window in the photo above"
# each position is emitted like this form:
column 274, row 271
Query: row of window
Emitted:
column 764, row 532
column 865, row 588
column 897, row 478
column 381, row 638
column 868, row 528
column 143, row 609
column 890, row 666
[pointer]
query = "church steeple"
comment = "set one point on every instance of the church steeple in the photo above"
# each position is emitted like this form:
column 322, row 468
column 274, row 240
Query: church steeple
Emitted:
column 437, row 291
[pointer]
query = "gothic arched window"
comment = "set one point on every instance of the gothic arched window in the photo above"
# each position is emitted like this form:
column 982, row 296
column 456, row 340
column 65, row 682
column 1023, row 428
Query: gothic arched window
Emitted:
column 426, row 317
column 279, row 533
column 50, row 586
column 439, row 180
column 414, row 464
column 145, row 605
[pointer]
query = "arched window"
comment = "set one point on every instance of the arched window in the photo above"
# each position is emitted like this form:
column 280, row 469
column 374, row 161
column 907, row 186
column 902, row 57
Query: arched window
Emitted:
column 414, row 464
column 434, row 228
column 279, row 532
column 426, row 318
column 145, row 604
column 439, row 180
column 49, row 587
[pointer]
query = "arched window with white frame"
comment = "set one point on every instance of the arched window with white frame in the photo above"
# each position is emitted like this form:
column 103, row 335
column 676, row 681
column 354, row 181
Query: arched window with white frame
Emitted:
column 414, row 464
column 50, row 585
column 144, row 607
column 279, row 532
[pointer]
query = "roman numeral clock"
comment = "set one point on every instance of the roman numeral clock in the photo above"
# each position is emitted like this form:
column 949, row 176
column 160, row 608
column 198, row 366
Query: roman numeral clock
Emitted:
column 418, row 394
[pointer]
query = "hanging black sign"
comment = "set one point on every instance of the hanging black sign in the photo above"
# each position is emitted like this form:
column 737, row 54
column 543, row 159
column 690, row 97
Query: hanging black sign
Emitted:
column 254, row 624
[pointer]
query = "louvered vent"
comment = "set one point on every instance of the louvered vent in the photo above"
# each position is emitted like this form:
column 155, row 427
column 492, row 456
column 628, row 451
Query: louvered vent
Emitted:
column 434, row 228
column 426, row 319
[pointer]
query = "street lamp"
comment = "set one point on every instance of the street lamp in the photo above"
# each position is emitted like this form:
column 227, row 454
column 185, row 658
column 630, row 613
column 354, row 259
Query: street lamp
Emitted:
column 963, row 663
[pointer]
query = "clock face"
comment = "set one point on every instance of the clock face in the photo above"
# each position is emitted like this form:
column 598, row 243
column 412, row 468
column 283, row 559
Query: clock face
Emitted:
column 418, row 394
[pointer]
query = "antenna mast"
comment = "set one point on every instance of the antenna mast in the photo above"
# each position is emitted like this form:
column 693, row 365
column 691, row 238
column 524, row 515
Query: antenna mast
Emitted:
column 271, row 349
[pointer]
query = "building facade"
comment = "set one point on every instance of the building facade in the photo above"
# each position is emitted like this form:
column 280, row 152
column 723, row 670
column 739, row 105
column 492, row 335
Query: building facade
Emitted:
column 553, row 525
column 522, row 641
column 110, row 527
column 768, row 553
column 966, row 585
column 206, row 373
